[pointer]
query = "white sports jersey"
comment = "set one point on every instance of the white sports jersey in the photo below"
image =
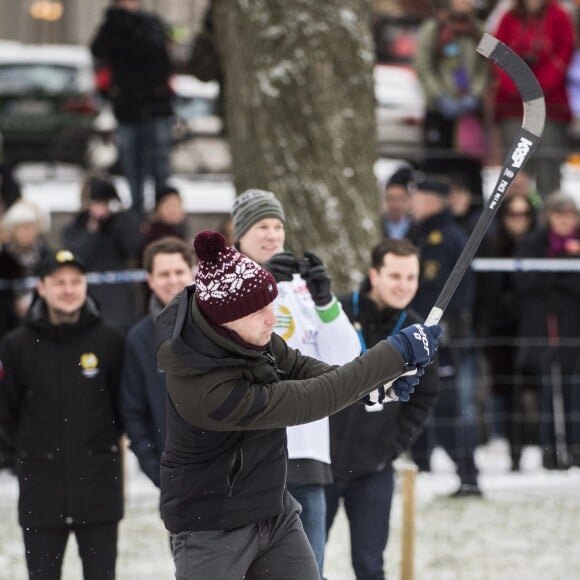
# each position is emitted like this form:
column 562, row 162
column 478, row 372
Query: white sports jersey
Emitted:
column 335, row 342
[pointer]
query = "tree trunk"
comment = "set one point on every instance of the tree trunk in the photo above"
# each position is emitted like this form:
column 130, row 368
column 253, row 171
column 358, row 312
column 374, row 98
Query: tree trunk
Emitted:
column 300, row 110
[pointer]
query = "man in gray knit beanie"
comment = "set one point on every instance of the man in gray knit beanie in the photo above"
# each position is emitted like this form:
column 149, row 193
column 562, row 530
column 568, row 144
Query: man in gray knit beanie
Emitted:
column 252, row 206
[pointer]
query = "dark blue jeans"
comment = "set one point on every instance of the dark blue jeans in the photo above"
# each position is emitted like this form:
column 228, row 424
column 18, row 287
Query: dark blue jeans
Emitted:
column 313, row 517
column 453, row 423
column 367, row 502
column 144, row 150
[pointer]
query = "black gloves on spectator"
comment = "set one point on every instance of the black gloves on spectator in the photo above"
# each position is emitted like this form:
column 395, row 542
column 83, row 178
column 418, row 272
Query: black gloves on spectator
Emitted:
column 282, row 266
column 317, row 279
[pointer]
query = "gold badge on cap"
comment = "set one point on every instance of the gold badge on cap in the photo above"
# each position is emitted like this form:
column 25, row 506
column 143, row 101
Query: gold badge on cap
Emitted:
column 89, row 364
column 64, row 256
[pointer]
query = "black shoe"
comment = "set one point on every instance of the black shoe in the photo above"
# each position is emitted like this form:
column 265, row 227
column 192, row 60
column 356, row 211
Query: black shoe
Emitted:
column 467, row 490
column 551, row 461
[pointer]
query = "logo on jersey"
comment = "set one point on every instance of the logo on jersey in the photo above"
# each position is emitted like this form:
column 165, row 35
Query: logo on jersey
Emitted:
column 285, row 325
column 89, row 364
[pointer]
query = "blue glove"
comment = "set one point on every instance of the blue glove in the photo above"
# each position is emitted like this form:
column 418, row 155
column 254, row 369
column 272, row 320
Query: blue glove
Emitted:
column 399, row 389
column 417, row 344
column 404, row 387
column 469, row 104
column 449, row 106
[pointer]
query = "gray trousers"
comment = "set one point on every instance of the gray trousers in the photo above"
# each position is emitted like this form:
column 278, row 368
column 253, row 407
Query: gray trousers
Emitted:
column 276, row 549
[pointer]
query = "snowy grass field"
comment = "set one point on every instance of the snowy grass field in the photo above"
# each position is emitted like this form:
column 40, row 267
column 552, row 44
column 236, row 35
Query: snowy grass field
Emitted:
column 527, row 526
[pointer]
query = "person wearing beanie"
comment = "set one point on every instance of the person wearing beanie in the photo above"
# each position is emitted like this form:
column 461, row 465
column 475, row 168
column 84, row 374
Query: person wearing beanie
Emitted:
column 441, row 241
column 23, row 246
column 310, row 319
column 548, row 319
column 107, row 238
column 234, row 385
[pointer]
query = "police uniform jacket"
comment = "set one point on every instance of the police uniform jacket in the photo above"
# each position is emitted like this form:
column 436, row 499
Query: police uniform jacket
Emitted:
column 58, row 408
column 441, row 241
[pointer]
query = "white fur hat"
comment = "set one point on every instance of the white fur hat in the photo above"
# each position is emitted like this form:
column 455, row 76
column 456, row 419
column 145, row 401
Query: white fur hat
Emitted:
column 25, row 212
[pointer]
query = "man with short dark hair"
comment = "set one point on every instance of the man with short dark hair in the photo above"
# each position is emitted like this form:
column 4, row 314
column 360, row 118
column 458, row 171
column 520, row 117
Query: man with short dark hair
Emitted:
column 58, row 408
column 168, row 263
column 365, row 439
column 234, row 385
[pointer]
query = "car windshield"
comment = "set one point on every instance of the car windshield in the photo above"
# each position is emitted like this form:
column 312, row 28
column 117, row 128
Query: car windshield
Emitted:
column 191, row 108
column 36, row 77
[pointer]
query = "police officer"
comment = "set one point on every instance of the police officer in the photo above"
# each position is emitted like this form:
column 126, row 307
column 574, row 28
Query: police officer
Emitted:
column 441, row 240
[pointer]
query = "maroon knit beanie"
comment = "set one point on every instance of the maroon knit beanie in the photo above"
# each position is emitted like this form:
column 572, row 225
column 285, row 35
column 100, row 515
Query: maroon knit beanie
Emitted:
column 228, row 285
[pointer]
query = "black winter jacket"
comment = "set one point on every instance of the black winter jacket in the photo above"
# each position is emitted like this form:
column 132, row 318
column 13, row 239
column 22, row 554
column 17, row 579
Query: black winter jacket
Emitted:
column 542, row 295
column 134, row 44
column 363, row 441
column 58, row 407
column 224, row 464
column 115, row 246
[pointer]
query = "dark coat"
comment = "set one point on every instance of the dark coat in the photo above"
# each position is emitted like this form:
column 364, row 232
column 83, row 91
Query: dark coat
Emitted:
column 541, row 294
column 441, row 241
column 10, row 271
column 143, row 395
column 134, row 45
column 58, row 406
column 225, row 458
column 114, row 247
column 363, row 442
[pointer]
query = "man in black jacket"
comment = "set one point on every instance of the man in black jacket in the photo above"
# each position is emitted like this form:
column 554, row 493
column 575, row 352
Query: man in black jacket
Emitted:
column 134, row 45
column 233, row 387
column 58, row 393
column 364, row 440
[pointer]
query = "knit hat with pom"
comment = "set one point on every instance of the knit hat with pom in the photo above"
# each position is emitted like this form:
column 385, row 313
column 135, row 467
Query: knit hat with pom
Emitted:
column 228, row 285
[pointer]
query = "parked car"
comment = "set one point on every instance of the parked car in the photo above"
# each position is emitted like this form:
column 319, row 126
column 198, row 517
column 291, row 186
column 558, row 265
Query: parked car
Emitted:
column 400, row 112
column 47, row 102
column 199, row 143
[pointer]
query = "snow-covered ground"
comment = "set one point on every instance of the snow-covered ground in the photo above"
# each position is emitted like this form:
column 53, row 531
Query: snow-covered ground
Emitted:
column 526, row 527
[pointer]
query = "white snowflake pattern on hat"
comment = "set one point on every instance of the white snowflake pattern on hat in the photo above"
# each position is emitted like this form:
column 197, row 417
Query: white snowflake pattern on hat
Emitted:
column 228, row 283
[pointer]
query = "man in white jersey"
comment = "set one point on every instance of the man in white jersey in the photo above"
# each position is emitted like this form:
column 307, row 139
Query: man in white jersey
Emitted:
column 310, row 319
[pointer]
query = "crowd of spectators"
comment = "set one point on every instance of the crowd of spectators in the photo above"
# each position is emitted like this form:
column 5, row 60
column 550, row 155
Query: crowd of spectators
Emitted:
column 508, row 364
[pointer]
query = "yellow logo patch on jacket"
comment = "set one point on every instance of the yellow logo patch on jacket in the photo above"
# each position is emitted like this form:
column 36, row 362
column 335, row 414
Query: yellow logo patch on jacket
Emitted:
column 89, row 364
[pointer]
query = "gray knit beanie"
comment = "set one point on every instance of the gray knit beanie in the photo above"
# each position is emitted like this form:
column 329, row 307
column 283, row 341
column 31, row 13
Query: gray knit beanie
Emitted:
column 252, row 206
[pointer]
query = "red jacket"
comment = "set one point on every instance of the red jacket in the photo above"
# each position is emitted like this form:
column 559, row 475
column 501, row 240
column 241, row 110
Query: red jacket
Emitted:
column 546, row 42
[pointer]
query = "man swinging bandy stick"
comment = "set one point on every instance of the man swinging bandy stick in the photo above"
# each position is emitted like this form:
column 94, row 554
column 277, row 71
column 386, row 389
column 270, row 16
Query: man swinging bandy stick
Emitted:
column 234, row 386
